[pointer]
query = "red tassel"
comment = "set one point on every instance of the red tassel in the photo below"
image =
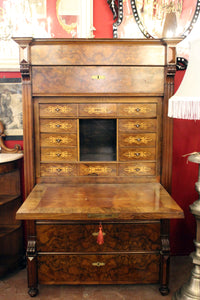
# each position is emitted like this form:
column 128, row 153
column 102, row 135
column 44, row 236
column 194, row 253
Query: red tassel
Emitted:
column 100, row 239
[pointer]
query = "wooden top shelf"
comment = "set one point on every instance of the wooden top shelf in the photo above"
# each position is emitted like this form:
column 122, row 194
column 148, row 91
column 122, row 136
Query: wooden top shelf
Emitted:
column 99, row 202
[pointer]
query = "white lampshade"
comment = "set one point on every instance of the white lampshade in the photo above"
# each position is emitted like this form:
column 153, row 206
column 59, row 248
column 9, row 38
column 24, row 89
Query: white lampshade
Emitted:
column 185, row 104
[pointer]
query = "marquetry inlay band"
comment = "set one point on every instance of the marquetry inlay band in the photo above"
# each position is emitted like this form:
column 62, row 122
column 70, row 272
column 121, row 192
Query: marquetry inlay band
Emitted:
column 59, row 109
column 57, row 125
column 59, row 140
column 137, row 155
column 137, row 170
column 138, row 140
column 96, row 110
column 141, row 109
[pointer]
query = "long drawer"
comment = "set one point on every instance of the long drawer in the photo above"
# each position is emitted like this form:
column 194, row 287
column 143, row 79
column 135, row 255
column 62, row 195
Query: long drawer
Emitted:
column 83, row 237
column 105, row 269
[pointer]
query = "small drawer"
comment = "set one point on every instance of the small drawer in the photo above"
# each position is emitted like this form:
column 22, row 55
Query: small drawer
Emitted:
column 135, row 139
column 147, row 110
column 97, row 169
column 97, row 110
column 115, row 268
column 50, row 170
column 128, row 154
column 137, row 169
column 58, row 154
column 58, row 125
column 58, row 110
column 61, row 140
column 136, row 236
column 137, row 125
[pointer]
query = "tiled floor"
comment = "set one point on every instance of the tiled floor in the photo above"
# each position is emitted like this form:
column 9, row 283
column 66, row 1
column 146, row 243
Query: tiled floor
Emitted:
column 14, row 287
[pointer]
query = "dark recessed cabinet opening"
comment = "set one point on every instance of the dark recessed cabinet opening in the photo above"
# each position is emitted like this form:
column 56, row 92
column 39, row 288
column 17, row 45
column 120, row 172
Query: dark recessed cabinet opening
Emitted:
column 97, row 139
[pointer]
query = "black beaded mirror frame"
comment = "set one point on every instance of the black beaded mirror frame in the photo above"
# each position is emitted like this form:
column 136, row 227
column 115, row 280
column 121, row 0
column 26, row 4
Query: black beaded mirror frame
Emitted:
column 117, row 10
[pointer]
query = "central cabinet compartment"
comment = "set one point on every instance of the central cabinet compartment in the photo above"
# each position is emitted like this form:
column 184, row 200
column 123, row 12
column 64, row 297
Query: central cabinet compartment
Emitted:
column 97, row 139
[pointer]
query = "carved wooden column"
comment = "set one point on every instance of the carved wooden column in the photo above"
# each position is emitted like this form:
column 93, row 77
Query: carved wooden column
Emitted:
column 29, row 168
column 28, row 142
column 167, row 145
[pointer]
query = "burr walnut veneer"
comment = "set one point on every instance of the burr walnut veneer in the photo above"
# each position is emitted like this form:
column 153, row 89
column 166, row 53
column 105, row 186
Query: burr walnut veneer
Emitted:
column 97, row 151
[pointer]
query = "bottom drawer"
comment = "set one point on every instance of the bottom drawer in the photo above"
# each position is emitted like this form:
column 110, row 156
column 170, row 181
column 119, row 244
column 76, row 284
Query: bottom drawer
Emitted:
column 93, row 269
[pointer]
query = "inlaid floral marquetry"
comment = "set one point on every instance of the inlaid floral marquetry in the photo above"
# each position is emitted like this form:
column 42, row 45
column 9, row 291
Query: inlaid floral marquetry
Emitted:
column 59, row 154
column 135, row 125
column 59, row 109
column 59, row 140
column 60, row 170
column 98, row 170
column 137, row 155
column 138, row 140
column 137, row 170
column 56, row 125
column 140, row 109
column 96, row 110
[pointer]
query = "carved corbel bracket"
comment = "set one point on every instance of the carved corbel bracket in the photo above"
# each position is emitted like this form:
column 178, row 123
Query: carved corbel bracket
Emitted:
column 24, row 56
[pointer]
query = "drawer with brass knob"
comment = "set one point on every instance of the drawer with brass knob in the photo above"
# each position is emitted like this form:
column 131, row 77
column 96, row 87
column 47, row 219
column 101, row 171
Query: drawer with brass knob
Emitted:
column 106, row 268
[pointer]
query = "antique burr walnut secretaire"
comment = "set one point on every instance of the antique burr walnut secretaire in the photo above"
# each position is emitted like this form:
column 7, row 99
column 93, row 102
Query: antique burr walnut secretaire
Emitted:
column 97, row 160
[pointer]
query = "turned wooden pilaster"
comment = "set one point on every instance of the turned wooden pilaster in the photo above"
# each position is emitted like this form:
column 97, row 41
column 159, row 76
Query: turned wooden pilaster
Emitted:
column 167, row 145
column 28, row 143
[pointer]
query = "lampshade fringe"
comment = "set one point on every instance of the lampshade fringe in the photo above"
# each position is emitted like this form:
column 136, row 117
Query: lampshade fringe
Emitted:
column 184, row 108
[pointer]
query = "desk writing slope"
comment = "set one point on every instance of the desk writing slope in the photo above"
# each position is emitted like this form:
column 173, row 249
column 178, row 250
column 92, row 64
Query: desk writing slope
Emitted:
column 112, row 202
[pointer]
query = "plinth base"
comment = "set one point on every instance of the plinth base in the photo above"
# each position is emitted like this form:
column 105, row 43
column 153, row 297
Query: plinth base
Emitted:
column 190, row 290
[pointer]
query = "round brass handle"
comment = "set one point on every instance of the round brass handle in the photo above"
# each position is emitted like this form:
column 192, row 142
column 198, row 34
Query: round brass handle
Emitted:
column 137, row 154
column 139, row 140
column 137, row 109
column 58, row 125
column 137, row 169
column 59, row 170
column 57, row 109
column 58, row 154
column 137, row 125
column 58, row 140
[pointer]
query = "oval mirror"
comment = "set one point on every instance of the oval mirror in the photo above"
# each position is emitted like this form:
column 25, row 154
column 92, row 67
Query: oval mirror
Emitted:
column 166, row 18
column 155, row 19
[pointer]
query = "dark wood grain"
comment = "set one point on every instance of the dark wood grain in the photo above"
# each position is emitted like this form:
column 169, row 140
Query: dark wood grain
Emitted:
column 79, row 269
column 136, row 236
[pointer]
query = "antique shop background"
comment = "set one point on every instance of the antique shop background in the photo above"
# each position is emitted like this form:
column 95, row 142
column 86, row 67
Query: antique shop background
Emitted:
column 185, row 136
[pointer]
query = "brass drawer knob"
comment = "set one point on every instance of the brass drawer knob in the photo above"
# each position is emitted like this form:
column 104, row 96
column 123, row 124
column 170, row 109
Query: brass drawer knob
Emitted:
column 137, row 109
column 139, row 140
column 58, row 154
column 58, row 125
column 58, row 140
column 137, row 169
column 137, row 153
column 98, row 264
column 57, row 109
column 137, row 125
column 59, row 170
